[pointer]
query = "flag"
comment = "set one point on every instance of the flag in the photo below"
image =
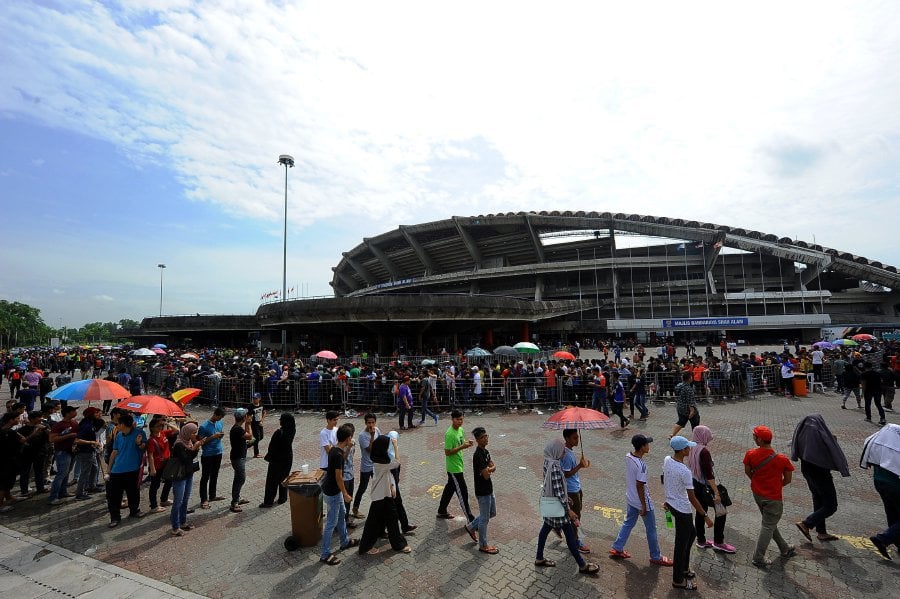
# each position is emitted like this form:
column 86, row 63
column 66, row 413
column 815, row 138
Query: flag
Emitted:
column 717, row 244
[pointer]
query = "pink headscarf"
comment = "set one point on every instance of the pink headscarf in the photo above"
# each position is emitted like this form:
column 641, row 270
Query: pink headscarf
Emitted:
column 187, row 431
column 702, row 436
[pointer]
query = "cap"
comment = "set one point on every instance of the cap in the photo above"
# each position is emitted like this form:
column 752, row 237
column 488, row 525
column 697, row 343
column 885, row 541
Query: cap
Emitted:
column 257, row 395
column 240, row 412
column 474, row 368
column 763, row 433
column 678, row 443
column 90, row 412
column 640, row 440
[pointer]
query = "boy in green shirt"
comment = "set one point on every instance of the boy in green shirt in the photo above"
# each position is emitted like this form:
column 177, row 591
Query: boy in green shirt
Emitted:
column 454, row 442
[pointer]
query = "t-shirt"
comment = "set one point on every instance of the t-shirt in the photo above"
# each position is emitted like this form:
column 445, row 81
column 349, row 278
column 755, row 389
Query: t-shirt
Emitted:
column 347, row 469
column 255, row 411
column 238, row 443
column 365, row 458
column 334, row 462
column 567, row 463
column 208, row 429
column 128, row 454
column 326, row 437
column 86, row 432
column 635, row 471
column 453, row 438
column 62, row 428
column 767, row 481
column 677, row 478
column 481, row 459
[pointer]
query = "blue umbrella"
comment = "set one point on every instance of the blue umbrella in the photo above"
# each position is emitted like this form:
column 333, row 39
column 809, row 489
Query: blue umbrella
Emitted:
column 477, row 352
column 161, row 346
column 90, row 390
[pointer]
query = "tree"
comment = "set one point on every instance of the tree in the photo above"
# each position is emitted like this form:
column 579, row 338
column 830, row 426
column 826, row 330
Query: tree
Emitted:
column 21, row 324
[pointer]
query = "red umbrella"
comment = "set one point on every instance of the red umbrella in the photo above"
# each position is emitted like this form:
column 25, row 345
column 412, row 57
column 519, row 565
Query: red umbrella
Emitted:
column 579, row 418
column 151, row 404
column 327, row 355
column 182, row 396
column 564, row 355
column 863, row 337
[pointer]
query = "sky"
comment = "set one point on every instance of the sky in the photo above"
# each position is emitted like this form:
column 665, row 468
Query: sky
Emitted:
column 145, row 132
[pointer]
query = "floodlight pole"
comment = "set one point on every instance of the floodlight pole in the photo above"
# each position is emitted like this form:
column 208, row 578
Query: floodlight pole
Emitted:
column 161, row 267
column 288, row 162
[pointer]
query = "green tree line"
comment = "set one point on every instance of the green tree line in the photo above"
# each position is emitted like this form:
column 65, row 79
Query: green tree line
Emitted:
column 22, row 325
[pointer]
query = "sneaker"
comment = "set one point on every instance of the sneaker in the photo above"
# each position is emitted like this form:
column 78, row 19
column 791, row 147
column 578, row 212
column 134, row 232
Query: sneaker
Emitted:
column 82, row 497
column 882, row 422
column 704, row 544
column 881, row 547
column 55, row 502
column 724, row 547
column 761, row 564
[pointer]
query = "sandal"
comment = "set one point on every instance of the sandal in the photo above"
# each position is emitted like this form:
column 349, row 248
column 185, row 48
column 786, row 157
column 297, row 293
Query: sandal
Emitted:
column 177, row 533
column 372, row 551
column 351, row 543
column 204, row 505
column 827, row 537
column 545, row 563
column 187, row 527
column 687, row 585
column 489, row 550
column 690, row 574
column 445, row 516
column 406, row 549
column 331, row 560
column 620, row 554
column 590, row 568
column 236, row 509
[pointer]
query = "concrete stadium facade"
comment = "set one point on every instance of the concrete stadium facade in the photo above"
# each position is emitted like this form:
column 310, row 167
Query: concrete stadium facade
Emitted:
column 502, row 277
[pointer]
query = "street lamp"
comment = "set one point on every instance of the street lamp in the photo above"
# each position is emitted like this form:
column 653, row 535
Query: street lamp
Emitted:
column 288, row 162
column 161, row 268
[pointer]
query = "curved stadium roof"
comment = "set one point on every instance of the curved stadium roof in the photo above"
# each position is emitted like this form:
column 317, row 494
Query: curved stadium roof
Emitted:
column 437, row 252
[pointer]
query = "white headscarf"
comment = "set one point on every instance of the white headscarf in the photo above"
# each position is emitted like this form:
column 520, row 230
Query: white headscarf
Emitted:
column 883, row 449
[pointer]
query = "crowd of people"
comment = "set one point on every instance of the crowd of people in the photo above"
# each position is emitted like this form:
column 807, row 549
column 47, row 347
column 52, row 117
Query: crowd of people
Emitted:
column 111, row 452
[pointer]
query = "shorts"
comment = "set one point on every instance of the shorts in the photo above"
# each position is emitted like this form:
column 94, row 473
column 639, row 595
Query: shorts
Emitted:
column 576, row 502
column 684, row 419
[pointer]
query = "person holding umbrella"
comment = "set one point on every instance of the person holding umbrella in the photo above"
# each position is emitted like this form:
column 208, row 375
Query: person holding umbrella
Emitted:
column 882, row 451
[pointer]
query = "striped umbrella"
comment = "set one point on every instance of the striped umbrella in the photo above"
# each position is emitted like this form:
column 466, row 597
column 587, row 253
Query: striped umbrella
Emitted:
column 90, row 390
column 579, row 418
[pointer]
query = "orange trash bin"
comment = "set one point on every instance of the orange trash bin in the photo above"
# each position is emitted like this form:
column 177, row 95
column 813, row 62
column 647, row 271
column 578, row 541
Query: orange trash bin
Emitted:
column 800, row 386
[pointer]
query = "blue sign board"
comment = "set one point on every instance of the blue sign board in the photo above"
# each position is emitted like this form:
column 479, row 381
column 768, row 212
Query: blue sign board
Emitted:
column 713, row 322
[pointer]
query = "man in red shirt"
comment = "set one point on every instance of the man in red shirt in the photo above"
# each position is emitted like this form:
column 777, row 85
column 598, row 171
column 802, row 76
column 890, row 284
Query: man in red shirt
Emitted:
column 768, row 472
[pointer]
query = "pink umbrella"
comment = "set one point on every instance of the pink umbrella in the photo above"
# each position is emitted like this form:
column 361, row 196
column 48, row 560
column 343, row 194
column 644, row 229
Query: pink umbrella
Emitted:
column 327, row 355
column 159, row 351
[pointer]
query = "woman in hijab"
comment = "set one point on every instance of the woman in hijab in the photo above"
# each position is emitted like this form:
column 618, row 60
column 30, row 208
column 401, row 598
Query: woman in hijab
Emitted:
column 707, row 491
column 280, row 458
column 553, row 452
column 184, row 451
column 819, row 454
column 394, row 454
column 382, row 510
column 882, row 451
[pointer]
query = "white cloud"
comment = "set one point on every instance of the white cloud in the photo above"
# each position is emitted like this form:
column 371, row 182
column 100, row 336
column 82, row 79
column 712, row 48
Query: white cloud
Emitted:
column 778, row 117
column 104, row 298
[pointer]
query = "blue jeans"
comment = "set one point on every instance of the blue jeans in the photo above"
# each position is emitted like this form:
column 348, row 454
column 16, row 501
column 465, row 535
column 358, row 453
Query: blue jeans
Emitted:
column 239, row 467
column 640, row 402
column 337, row 517
column 181, row 494
column 426, row 411
column 60, row 481
column 571, row 542
column 599, row 402
column 487, row 509
column 631, row 516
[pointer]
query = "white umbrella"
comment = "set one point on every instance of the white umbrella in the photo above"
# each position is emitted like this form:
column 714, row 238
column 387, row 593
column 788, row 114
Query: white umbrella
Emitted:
column 144, row 352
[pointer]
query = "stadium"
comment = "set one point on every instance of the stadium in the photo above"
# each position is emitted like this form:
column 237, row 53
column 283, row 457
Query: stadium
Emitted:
column 501, row 278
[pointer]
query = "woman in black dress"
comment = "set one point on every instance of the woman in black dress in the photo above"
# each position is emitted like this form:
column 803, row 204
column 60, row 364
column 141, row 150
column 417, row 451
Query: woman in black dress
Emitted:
column 382, row 509
column 280, row 457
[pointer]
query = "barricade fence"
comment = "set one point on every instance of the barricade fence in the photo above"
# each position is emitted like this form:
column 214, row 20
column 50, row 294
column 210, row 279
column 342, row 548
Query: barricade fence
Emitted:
column 495, row 392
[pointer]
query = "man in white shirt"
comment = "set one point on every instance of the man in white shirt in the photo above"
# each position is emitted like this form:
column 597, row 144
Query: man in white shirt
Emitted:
column 680, row 497
column 818, row 357
column 637, row 498
column 327, row 437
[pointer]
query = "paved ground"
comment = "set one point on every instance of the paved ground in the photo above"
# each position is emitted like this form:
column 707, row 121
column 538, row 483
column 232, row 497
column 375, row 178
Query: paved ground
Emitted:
column 240, row 555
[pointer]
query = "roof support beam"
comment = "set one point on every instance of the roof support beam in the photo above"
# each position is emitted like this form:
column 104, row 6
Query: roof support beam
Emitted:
column 383, row 258
column 348, row 281
column 812, row 271
column 612, row 271
column 365, row 274
column 711, row 251
column 424, row 257
column 535, row 240
column 468, row 241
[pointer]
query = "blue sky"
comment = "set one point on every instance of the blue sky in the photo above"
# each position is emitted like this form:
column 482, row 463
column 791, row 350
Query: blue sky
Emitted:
column 145, row 132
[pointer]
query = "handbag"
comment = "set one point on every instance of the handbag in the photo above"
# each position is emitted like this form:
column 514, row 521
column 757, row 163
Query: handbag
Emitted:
column 174, row 469
column 723, row 494
column 551, row 507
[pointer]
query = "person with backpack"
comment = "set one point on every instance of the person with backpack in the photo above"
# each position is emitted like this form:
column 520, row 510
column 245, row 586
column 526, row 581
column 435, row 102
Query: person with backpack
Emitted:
column 427, row 393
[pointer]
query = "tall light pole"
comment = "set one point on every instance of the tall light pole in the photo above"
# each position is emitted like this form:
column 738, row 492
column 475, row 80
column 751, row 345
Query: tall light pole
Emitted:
column 161, row 267
column 288, row 162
